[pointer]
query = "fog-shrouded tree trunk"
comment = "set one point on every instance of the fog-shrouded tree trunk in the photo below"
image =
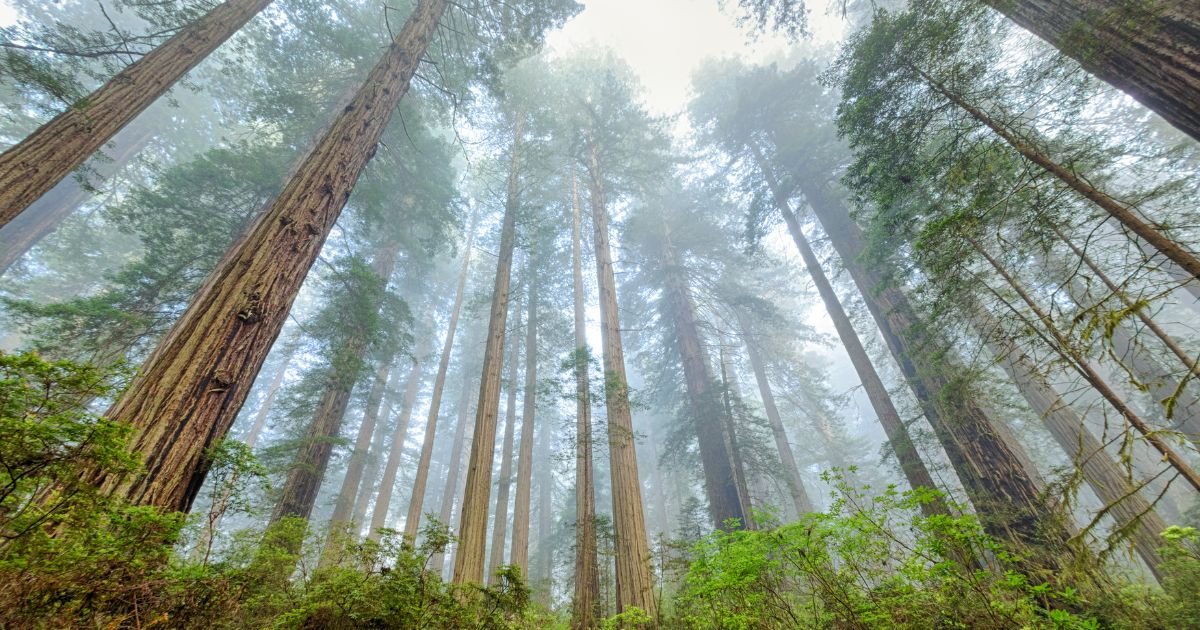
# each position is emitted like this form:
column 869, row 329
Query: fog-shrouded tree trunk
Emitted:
column 545, row 568
column 387, row 484
column 472, row 531
column 1067, row 350
column 264, row 409
column 1006, row 498
column 504, row 482
column 585, row 604
column 450, row 491
column 635, row 579
column 51, row 209
column 1122, row 212
column 720, row 479
column 1133, row 514
column 1149, row 50
column 47, row 156
column 367, row 488
column 519, row 555
column 188, row 392
column 307, row 472
column 728, row 390
column 412, row 522
column 911, row 464
column 791, row 471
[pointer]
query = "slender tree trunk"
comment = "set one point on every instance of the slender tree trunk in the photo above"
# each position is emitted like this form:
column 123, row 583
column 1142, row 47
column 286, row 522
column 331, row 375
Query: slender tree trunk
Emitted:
column 1133, row 514
column 907, row 456
column 1123, row 213
column 720, row 478
column 264, row 409
column 32, row 167
column 731, row 443
column 1004, row 495
column 795, row 483
column 1149, row 50
column 191, row 388
column 519, row 555
column 1063, row 346
column 61, row 201
column 412, row 522
column 504, row 483
column 367, row 489
column 445, row 513
column 635, row 579
column 387, row 485
column 472, row 532
column 585, row 608
column 545, row 574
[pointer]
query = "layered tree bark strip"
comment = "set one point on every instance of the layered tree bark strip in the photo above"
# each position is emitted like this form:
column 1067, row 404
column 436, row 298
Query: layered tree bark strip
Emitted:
column 1149, row 50
column 791, row 470
column 585, row 601
column 472, row 532
column 450, row 491
column 720, row 478
column 519, row 554
column 635, row 579
column 504, row 483
column 1133, row 514
column 193, row 385
column 387, row 484
column 33, row 166
column 412, row 522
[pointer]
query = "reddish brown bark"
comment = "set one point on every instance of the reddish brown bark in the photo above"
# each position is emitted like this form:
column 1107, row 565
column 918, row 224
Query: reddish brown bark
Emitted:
column 519, row 554
column 504, row 482
column 451, row 489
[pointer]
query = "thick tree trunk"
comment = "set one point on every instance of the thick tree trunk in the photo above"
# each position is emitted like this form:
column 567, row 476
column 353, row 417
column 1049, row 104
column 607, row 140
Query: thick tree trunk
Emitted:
column 472, row 532
column 791, row 471
column 61, row 201
column 412, row 522
column 1149, row 50
column 450, row 491
column 504, row 483
column 585, row 605
column 191, row 388
column 907, row 456
column 387, row 484
column 519, row 555
column 1005, row 497
column 1124, row 213
column 720, row 478
column 635, row 579
column 1133, row 514
column 32, row 167
column 732, row 445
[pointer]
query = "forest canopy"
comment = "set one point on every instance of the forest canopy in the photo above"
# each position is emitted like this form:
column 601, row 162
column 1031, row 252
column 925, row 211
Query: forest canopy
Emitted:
column 552, row 314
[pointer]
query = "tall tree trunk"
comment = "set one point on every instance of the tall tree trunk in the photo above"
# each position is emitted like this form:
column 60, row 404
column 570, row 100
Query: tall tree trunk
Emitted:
column 472, row 532
column 907, row 456
column 791, row 471
column 731, row 443
column 51, row 209
column 445, row 512
column 519, row 555
column 1134, row 515
column 367, row 489
column 504, row 483
column 635, row 579
column 1149, row 50
column 720, row 478
column 1064, row 347
column 33, row 166
column 545, row 573
column 585, row 605
column 1005, row 496
column 387, row 485
column 191, row 388
column 412, row 522
column 1124, row 213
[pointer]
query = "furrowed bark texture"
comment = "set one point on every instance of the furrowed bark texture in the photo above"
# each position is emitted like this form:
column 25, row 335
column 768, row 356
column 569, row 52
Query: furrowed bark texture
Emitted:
column 412, row 522
column 504, row 483
column 585, row 611
column 519, row 554
column 33, row 166
column 635, row 579
column 191, row 388
column 1149, row 50
column 720, row 478
column 387, row 485
column 472, row 531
